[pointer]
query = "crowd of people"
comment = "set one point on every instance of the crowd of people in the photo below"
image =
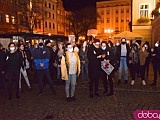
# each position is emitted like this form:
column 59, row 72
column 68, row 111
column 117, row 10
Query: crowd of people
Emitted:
column 69, row 62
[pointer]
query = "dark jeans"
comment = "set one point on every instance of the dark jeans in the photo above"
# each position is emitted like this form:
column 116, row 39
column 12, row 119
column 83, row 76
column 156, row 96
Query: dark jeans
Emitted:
column 84, row 71
column 107, row 82
column 94, row 80
column 13, row 76
column 134, row 70
column 2, row 78
column 156, row 69
column 142, row 71
column 40, row 75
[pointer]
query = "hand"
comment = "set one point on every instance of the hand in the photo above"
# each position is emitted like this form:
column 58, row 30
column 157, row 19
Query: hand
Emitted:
column 130, row 61
column 103, row 56
column 99, row 56
column 2, row 72
column 55, row 64
column 41, row 64
column 153, row 54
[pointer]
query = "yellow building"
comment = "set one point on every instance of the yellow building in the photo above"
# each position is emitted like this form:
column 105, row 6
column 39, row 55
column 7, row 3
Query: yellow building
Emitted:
column 141, row 17
column 113, row 17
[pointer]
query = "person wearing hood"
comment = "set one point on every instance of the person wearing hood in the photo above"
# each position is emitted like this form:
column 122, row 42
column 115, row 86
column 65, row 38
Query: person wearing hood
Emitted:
column 14, row 62
column 41, row 57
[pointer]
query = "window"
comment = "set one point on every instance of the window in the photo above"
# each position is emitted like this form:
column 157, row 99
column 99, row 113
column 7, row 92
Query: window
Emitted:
column 108, row 11
column 102, row 20
column 116, row 19
column 122, row 20
column 45, row 24
column 49, row 25
column 53, row 16
column 127, row 10
column 144, row 10
column 39, row 24
column 108, row 20
column 53, row 26
column 53, row 7
column 102, row 12
column 7, row 18
column 122, row 10
column 116, row 10
column 13, row 19
column 49, row 5
column 49, row 15
column 45, row 4
column 45, row 14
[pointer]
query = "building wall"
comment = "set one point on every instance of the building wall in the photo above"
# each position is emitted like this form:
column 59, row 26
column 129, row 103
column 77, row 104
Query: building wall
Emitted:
column 7, row 16
column 114, row 15
column 155, row 30
column 142, row 28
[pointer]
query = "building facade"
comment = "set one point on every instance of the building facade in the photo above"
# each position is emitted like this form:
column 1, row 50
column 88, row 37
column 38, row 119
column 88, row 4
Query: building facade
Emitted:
column 49, row 19
column 7, row 16
column 141, row 17
column 114, row 16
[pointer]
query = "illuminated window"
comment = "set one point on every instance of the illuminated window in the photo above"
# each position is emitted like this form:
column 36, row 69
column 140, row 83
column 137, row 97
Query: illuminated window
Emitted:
column 144, row 10
column 13, row 19
column 7, row 18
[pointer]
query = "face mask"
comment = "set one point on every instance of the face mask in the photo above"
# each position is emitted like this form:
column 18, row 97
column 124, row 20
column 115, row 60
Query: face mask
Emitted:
column 103, row 48
column 70, row 50
column 117, row 44
column 12, row 48
column 156, row 45
column 40, row 44
column 123, row 43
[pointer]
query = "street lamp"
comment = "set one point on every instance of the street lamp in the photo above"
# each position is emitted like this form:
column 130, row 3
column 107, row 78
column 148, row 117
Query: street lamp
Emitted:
column 109, row 31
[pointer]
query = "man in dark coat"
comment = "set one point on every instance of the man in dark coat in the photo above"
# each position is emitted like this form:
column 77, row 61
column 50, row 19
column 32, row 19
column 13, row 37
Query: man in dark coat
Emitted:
column 94, row 66
column 2, row 68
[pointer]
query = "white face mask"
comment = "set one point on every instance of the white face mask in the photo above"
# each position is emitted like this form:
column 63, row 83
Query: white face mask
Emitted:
column 103, row 48
column 156, row 45
column 70, row 50
column 12, row 48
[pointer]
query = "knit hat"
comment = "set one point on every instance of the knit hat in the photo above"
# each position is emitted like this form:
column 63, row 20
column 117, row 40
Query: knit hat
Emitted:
column 48, row 41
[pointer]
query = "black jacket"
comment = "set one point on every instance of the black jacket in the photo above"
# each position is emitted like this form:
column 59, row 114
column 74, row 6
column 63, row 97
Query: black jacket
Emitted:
column 2, row 59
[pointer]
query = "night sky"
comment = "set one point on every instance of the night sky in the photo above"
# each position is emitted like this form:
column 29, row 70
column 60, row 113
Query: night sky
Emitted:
column 77, row 4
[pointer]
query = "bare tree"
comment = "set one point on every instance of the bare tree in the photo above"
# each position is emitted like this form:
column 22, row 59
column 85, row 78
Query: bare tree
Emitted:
column 81, row 20
column 29, row 12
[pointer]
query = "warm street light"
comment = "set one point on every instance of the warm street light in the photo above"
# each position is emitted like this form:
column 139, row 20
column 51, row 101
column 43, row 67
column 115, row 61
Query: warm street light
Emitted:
column 108, row 31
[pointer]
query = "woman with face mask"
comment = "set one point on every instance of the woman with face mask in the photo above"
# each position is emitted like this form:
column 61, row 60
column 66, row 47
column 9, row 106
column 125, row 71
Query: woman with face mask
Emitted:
column 70, row 68
column 14, row 61
column 23, row 69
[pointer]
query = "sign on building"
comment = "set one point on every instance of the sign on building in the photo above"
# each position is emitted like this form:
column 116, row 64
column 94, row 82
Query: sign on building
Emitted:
column 71, row 38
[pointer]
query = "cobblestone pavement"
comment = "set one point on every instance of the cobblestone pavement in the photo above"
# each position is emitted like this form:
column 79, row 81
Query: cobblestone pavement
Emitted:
column 121, row 106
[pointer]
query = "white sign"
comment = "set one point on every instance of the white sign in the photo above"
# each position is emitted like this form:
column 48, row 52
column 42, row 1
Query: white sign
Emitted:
column 71, row 38
column 92, row 32
column 5, row 42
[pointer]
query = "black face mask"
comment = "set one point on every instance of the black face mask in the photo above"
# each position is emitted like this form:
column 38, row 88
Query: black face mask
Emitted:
column 123, row 43
column 40, row 44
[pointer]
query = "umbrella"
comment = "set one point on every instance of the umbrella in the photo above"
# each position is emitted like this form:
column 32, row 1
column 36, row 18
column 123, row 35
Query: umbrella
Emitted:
column 128, row 35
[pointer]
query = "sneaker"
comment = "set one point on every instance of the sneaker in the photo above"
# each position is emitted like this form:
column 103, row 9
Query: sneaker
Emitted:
column 132, row 82
column 143, row 82
column 68, row 99
column 73, row 99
